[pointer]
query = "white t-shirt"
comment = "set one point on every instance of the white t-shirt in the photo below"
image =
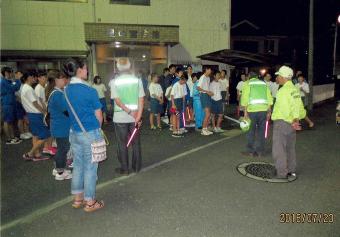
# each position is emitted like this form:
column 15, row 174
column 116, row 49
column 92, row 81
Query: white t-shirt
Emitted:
column 101, row 89
column 190, row 85
column 28, row 96
column 273, row 87
column 204, row 82
column 239, row 86
column 155, row 89
column 122, row 116
column 178, row 90
column 224, row 84
column 304, row 86
column 215, row 87
column 40, row 92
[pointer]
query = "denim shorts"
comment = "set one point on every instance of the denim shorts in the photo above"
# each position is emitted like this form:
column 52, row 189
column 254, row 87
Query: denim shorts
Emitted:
column 37, row 126
column 205, row 100
column 216, row 107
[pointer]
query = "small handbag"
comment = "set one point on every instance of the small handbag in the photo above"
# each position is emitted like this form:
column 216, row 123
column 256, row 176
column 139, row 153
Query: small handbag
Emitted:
column 98, row 147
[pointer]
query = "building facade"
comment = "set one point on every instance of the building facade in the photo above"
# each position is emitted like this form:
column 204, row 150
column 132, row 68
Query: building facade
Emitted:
column 153, row 33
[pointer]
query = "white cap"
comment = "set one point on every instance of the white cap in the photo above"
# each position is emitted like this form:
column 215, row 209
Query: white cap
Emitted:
column 123, row 64
column 285, row 72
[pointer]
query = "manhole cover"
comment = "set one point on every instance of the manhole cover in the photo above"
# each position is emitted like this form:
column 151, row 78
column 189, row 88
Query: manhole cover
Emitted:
column 261, row 171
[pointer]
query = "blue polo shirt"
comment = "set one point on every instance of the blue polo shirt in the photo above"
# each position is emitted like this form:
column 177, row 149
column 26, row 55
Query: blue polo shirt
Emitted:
column 60, row 122
column 85, row 101
column 8, row 89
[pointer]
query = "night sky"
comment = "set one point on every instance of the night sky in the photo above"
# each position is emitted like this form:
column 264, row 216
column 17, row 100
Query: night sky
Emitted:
column 291, row 17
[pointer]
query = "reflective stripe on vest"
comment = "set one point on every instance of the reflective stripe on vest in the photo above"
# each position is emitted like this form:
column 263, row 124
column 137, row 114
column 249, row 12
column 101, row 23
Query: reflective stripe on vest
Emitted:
column 127, row 88
column 258, row 92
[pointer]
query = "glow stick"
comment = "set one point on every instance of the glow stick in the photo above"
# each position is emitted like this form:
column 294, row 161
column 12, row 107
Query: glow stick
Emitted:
column 267, row 127
column 133, row 134
column 183, row 116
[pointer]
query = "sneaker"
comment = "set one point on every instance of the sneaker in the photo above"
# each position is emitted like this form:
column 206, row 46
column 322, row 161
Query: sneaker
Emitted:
column 292, row 174
column 28, row 134
column 215, row 130
column 70, row 165
column 40, row 158
column 63, row 176
column 153, row 128
column 12, row 141
column 24, row 136
column 17, row 139
column 55, row 172
column 219, row 130
column 177, row 135
column 183, row 130
column 170, row 129
column 206, row 132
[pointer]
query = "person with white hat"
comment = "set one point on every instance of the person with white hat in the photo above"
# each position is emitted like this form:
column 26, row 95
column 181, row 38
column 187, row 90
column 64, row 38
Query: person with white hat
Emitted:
column 128, row 95
column 287, row 112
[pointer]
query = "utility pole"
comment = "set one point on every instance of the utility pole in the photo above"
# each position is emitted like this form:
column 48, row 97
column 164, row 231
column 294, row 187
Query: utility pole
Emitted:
column 311, row 54
column 335, row 40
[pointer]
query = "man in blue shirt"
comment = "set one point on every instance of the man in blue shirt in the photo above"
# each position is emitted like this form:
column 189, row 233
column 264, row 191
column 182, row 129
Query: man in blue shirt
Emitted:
column 8, row 101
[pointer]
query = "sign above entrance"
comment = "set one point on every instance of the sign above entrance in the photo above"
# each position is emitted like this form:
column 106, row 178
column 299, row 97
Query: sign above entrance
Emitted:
column 128, row 33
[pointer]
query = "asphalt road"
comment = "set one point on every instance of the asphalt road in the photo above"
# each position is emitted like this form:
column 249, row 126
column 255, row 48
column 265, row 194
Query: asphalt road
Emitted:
column 197, row 192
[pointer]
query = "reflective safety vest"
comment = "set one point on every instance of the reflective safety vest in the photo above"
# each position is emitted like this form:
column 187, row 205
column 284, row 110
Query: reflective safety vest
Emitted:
column 127, row 88
column 258, row 92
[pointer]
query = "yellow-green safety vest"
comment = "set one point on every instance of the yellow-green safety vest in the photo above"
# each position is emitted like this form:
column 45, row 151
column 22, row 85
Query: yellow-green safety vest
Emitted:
column 127, row 88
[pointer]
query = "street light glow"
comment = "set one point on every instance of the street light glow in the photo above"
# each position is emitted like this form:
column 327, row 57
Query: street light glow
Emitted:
column 339, row 19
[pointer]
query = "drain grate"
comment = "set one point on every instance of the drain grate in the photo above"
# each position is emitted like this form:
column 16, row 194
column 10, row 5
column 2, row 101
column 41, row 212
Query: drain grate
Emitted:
column 261, row 171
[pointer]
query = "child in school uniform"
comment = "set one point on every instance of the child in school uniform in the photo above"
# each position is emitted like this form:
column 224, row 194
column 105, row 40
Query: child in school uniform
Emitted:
column 216, row 102
column 156, row 101
column 198, row 110
column 178, row 94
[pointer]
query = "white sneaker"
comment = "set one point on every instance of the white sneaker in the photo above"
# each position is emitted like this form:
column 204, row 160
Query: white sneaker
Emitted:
column 29, row 135
column 215, row 130
column 55, row 172
column 219, row 130
column 24, row 136
column 183, row 130
column 63, row 176
column 206, row 132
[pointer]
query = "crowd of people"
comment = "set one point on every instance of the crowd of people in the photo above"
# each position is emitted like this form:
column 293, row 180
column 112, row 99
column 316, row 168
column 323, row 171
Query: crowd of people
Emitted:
column 64, row 108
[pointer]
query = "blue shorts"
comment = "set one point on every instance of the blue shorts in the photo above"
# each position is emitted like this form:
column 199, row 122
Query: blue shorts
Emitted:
column 37, row 126
column 103, row 102
column 19, row 111
column 216, row 107
column 179, row 104
column 155, row 106
column 205, row 100
column 8, row 113
column 190, row 102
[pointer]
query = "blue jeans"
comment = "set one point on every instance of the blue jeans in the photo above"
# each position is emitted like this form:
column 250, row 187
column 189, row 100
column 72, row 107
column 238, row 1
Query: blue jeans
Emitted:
column 257, row 129
column 84, row 176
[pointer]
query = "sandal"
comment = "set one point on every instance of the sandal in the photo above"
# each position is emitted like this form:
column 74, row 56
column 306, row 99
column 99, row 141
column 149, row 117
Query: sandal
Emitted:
column 27, row 157
column 78, row 203
column 94, row 207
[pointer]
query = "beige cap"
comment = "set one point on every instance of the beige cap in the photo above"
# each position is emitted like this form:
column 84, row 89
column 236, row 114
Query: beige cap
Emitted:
column 285, row 72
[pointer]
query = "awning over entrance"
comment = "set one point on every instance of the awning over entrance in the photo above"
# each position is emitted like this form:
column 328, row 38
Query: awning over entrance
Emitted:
column 41, row 54
column 240, row 58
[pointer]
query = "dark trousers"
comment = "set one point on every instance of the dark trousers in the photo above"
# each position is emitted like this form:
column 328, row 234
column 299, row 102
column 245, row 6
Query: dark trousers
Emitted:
column 61, row 155
column 123, row 133
column 284, row 139
column 255, row 135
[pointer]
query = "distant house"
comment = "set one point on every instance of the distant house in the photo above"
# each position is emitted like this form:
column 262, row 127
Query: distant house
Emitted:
column 247, row 36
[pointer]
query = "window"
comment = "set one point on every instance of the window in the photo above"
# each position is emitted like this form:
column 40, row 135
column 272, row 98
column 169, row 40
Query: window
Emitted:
column 131, row 2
